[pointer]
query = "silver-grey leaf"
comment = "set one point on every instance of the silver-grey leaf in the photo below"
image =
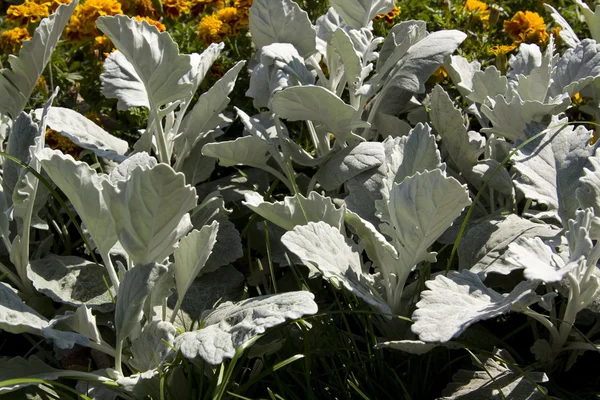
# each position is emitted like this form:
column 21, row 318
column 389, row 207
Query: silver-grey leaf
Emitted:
column 439, row 320
column 135, row 288
column 149, row 349
column 232, row 325
column 349, row 162
column 72, row 280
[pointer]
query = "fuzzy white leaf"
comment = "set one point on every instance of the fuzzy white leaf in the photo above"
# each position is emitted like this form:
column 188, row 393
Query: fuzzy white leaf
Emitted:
column 576, row 68
column 297, row 210
column 16, row 316
column 122, row 172
column 150, row 347
column 451, row 304
column 246, row 150
column 525, row 61
column 423, row 58
column 488, row 83
column 549, row 168
column 566, row 34
column 17, row 83
column 317, row 103
column 121, row 81
column 149, row 211
column 404, row 156
column 383, row 255
column 510, row 118
column 464, row 148
column 462, row 73
column 71, row 280
column 154, row 56
column 592, row 19
column 85, row 133
column 191, row 256
column 353, row 70
column 224, row 284
column 22, row 136
column 280, row 66
column 73, row 328
column 83, row 187
column 204, row 117
column 538, row 259
column 201, row 64
column 348, row 163
column 197, row 167
column 228, row 246
column 484, row 244
column 498, row 379
column 537, row 85
column 397, row 43
column 231, row 325
column 282, row 21
column 420, row 209
column 322, row 248
column 135, row 288
column 359, row 13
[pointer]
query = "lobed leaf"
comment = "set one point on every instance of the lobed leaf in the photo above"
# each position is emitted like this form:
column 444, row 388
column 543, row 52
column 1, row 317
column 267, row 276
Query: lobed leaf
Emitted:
column 231, row 325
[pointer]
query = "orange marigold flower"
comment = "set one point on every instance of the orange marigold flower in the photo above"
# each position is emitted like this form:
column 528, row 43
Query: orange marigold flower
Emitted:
column 83, row 20
column 200, row 6
column 161, row 27
column 478, row 10
column 56, row 141
column 174, row 8
column 243, row 7
column 144, row 8
column 27, row 12
column 527, row 27
column 12, row 39
column 502, row 50
column 390, row 17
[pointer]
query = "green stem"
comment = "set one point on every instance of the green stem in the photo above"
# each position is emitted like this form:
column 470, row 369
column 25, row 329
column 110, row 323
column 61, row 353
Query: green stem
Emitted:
column 545, row 322
column 112, row 273
column 118, row 356
column 13, row 278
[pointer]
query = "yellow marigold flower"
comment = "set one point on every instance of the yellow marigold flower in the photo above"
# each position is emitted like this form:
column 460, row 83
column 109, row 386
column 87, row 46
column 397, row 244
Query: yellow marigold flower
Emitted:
column 440, row 74
column 594, row 138
column 41, row 84
column 502, row 50
column 161, row 27
column 478, row 9
column 227, row 14
column 174, row 8
column 12, row 39
column 527, row 27
column 51, row 4
column 390, row 17
column 27, row 12
column 83, row 20
column 211, row 29
column 102, row 45
column 56, row 141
